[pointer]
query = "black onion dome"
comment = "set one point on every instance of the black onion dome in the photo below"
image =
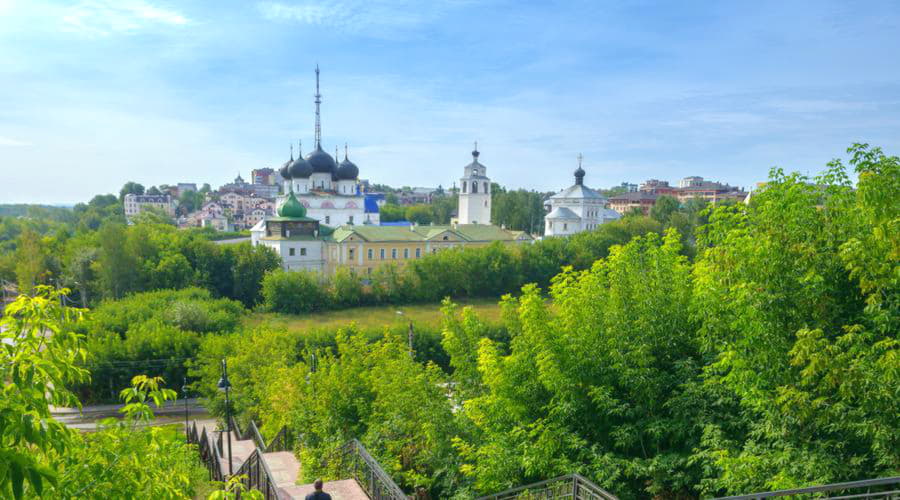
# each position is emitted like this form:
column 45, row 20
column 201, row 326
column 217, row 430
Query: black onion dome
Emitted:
column 348, row 170
column 300, row 169
column 321, row 162
column 285, row 170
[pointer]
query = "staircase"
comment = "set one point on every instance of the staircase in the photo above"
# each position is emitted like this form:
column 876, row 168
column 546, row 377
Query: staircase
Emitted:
column 272, row 468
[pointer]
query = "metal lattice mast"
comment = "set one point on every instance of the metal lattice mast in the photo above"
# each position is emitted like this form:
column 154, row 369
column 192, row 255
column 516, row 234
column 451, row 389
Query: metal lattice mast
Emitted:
column 318, row 119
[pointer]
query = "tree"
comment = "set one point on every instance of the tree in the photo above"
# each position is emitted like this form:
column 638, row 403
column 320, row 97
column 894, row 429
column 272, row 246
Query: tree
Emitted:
column 117, row 269
column 420, row 214
column 663, row 209
column 41, row 357
column 251, row 263
column 130, row 187
column 31, row 261
column 797, row 295
column 391, row 212
column 293, row 292
column 600, row 383
column 154, row 190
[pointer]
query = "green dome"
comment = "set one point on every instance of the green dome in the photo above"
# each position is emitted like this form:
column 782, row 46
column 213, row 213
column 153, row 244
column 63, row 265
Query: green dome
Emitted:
column 292, row 208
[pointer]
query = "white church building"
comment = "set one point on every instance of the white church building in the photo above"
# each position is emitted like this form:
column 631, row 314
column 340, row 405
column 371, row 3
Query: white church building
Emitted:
column 577, row 208
column 328, row 190
column 474, row 193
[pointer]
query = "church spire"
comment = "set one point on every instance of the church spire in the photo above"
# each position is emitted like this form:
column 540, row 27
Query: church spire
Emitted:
column 318, row 119
column 475, row 152
column 292, row 152
column 299, row 148
column 346, row 149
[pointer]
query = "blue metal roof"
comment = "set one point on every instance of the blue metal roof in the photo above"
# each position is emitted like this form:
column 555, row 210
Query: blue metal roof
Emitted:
column 403, row 223
column 371, row 205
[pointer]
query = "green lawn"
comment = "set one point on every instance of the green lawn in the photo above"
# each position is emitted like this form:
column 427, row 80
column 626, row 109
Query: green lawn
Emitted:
column 373, row 318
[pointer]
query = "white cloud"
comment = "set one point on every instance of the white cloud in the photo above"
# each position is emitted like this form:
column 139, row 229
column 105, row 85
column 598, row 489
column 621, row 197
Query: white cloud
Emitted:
column 374, row 17
column 106, row 17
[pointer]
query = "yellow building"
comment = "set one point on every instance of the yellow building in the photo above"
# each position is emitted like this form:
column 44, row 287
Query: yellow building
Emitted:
column 363, row 248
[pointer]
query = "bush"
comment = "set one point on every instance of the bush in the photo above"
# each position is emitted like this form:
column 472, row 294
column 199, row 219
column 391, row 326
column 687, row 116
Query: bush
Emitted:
column 293, row 292
column 153, row 333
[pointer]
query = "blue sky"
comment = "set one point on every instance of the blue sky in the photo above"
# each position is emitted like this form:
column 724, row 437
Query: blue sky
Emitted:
column 95, row 93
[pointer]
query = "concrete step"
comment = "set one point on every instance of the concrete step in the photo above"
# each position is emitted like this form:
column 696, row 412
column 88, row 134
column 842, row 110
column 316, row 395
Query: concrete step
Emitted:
column 345, row 489
column 284, row 466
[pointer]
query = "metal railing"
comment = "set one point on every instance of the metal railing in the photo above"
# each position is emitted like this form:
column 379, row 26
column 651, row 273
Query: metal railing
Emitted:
column 355, row 463
column 359, row 465
column 884, row 488
column 574, row 486
column 283, row 441
column 257, row 475
column 208, row 453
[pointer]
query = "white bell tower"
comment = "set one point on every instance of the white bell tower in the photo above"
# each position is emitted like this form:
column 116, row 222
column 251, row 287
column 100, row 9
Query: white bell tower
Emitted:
column 475, row 193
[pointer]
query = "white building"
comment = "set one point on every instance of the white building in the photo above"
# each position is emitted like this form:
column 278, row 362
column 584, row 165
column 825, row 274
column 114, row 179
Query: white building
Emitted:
column 135, row 203
column 578, row 208
column 475, row 193
column 692, row 181
column 295, row 237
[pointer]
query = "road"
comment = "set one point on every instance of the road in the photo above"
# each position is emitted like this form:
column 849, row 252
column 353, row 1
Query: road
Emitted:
column 87, row 418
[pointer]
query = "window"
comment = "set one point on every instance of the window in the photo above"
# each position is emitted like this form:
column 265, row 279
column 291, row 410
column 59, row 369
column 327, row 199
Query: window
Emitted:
column 446, row 237
column 371, row 254
column 291, row 252
column 486, row 190
column 434, row 250
column 350, row 220
column 393, row 253
column 302, row 251
column 474, row 187
column 464, row 186
column 327, row 219
column 485, row 203
column 418, row 252
column 350, row 252
column 382, row 254
column 565, row 226
column 368, row 270
column 405, row 253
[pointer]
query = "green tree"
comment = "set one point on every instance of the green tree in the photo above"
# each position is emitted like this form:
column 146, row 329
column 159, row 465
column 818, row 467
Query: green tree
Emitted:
column 251, row 263
column 40, row 358
column 597, row 384
column 31, row 261
column 663, row 209
column 797, row 295
column 293, row 292
column 391, row 212
column 130, row 187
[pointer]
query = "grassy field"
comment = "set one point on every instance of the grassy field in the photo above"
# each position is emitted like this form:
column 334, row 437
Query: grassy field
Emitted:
column 373, row 318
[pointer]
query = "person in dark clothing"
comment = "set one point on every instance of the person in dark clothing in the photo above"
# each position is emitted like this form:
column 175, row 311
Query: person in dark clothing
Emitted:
column 318, row 494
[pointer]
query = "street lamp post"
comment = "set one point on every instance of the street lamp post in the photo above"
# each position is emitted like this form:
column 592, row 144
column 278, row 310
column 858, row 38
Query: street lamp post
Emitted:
column 225, row 385
column 184, row 389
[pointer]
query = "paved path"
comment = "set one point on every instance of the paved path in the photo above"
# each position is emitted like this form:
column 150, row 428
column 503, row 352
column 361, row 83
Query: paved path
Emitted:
column 345, row 489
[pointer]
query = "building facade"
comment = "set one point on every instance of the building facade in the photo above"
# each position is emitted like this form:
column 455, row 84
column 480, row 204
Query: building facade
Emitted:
column 305, row 244
column 264, row 176
column 136, row 203
column 577, row 208
column 475, row 193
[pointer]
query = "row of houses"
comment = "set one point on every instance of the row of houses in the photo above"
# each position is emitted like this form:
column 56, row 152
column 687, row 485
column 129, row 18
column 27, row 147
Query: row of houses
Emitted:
column 645, row 196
